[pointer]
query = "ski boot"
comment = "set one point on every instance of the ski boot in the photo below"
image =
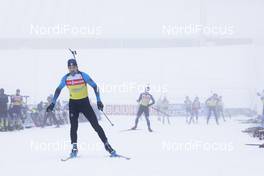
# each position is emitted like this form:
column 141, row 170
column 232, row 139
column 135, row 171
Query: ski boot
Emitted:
column 134, row 128
column 261, row 146
column 74, row 151
column 110, row 150
column 150, row 130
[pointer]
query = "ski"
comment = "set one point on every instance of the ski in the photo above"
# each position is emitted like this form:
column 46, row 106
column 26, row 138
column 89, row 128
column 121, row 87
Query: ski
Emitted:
column 258, row 145
column 120, row 156
column 130, row 130
column 66, row 159
column 111, row 156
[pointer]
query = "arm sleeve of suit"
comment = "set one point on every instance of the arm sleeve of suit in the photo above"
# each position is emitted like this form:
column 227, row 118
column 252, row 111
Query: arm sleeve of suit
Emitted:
column 59, row 88
column 152, row 101
column 89, row 81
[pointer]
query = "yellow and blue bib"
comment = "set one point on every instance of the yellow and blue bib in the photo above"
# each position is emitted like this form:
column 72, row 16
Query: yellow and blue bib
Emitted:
column 77, row 86
column 17, row 100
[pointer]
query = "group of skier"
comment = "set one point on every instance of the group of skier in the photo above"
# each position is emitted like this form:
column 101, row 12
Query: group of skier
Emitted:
column 213, row 105
column 58, row 117
column 15, row 114
column 77, row 81
column 12, row 114
column 192, row 109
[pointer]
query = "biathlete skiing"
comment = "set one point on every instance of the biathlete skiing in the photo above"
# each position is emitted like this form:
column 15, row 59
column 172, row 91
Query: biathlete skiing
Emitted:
column 77, row 81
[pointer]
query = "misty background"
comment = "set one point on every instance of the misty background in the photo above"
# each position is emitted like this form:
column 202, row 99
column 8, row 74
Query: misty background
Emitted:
column 130, row 42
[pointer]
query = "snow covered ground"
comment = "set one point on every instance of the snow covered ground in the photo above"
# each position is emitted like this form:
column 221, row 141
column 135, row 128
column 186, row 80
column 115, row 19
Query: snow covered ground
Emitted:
column 176, row 149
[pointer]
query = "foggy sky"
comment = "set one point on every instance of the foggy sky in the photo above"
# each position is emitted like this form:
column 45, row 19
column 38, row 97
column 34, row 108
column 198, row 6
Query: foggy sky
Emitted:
column 232, row 71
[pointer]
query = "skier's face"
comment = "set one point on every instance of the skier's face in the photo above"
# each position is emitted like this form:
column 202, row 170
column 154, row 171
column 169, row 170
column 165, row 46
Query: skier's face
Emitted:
column 147, row 89
column 73, row 69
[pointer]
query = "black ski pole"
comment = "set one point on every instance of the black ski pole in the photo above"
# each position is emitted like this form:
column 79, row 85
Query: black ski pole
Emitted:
column 108, row 118
column 161, row 111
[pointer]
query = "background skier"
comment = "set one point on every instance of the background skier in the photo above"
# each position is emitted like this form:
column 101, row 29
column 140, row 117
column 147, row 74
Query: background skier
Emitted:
column 145, row 100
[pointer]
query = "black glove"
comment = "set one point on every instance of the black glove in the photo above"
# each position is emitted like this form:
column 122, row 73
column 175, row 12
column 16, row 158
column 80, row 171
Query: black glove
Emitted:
column 100, row 106
column 50, row 107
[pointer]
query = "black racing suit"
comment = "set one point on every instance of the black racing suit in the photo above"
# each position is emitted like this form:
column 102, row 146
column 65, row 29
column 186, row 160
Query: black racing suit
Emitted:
column 83, row 106
column 79, row 102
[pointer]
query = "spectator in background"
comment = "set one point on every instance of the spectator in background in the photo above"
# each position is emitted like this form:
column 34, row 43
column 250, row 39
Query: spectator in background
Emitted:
column 196, row 106
column 50, row 115
column 220, row 108
column 165, row 108
column 16, row 110
column 261, row 95
column 3, row 110
column 211, row 104
column 159, row 107
column 188, row 108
